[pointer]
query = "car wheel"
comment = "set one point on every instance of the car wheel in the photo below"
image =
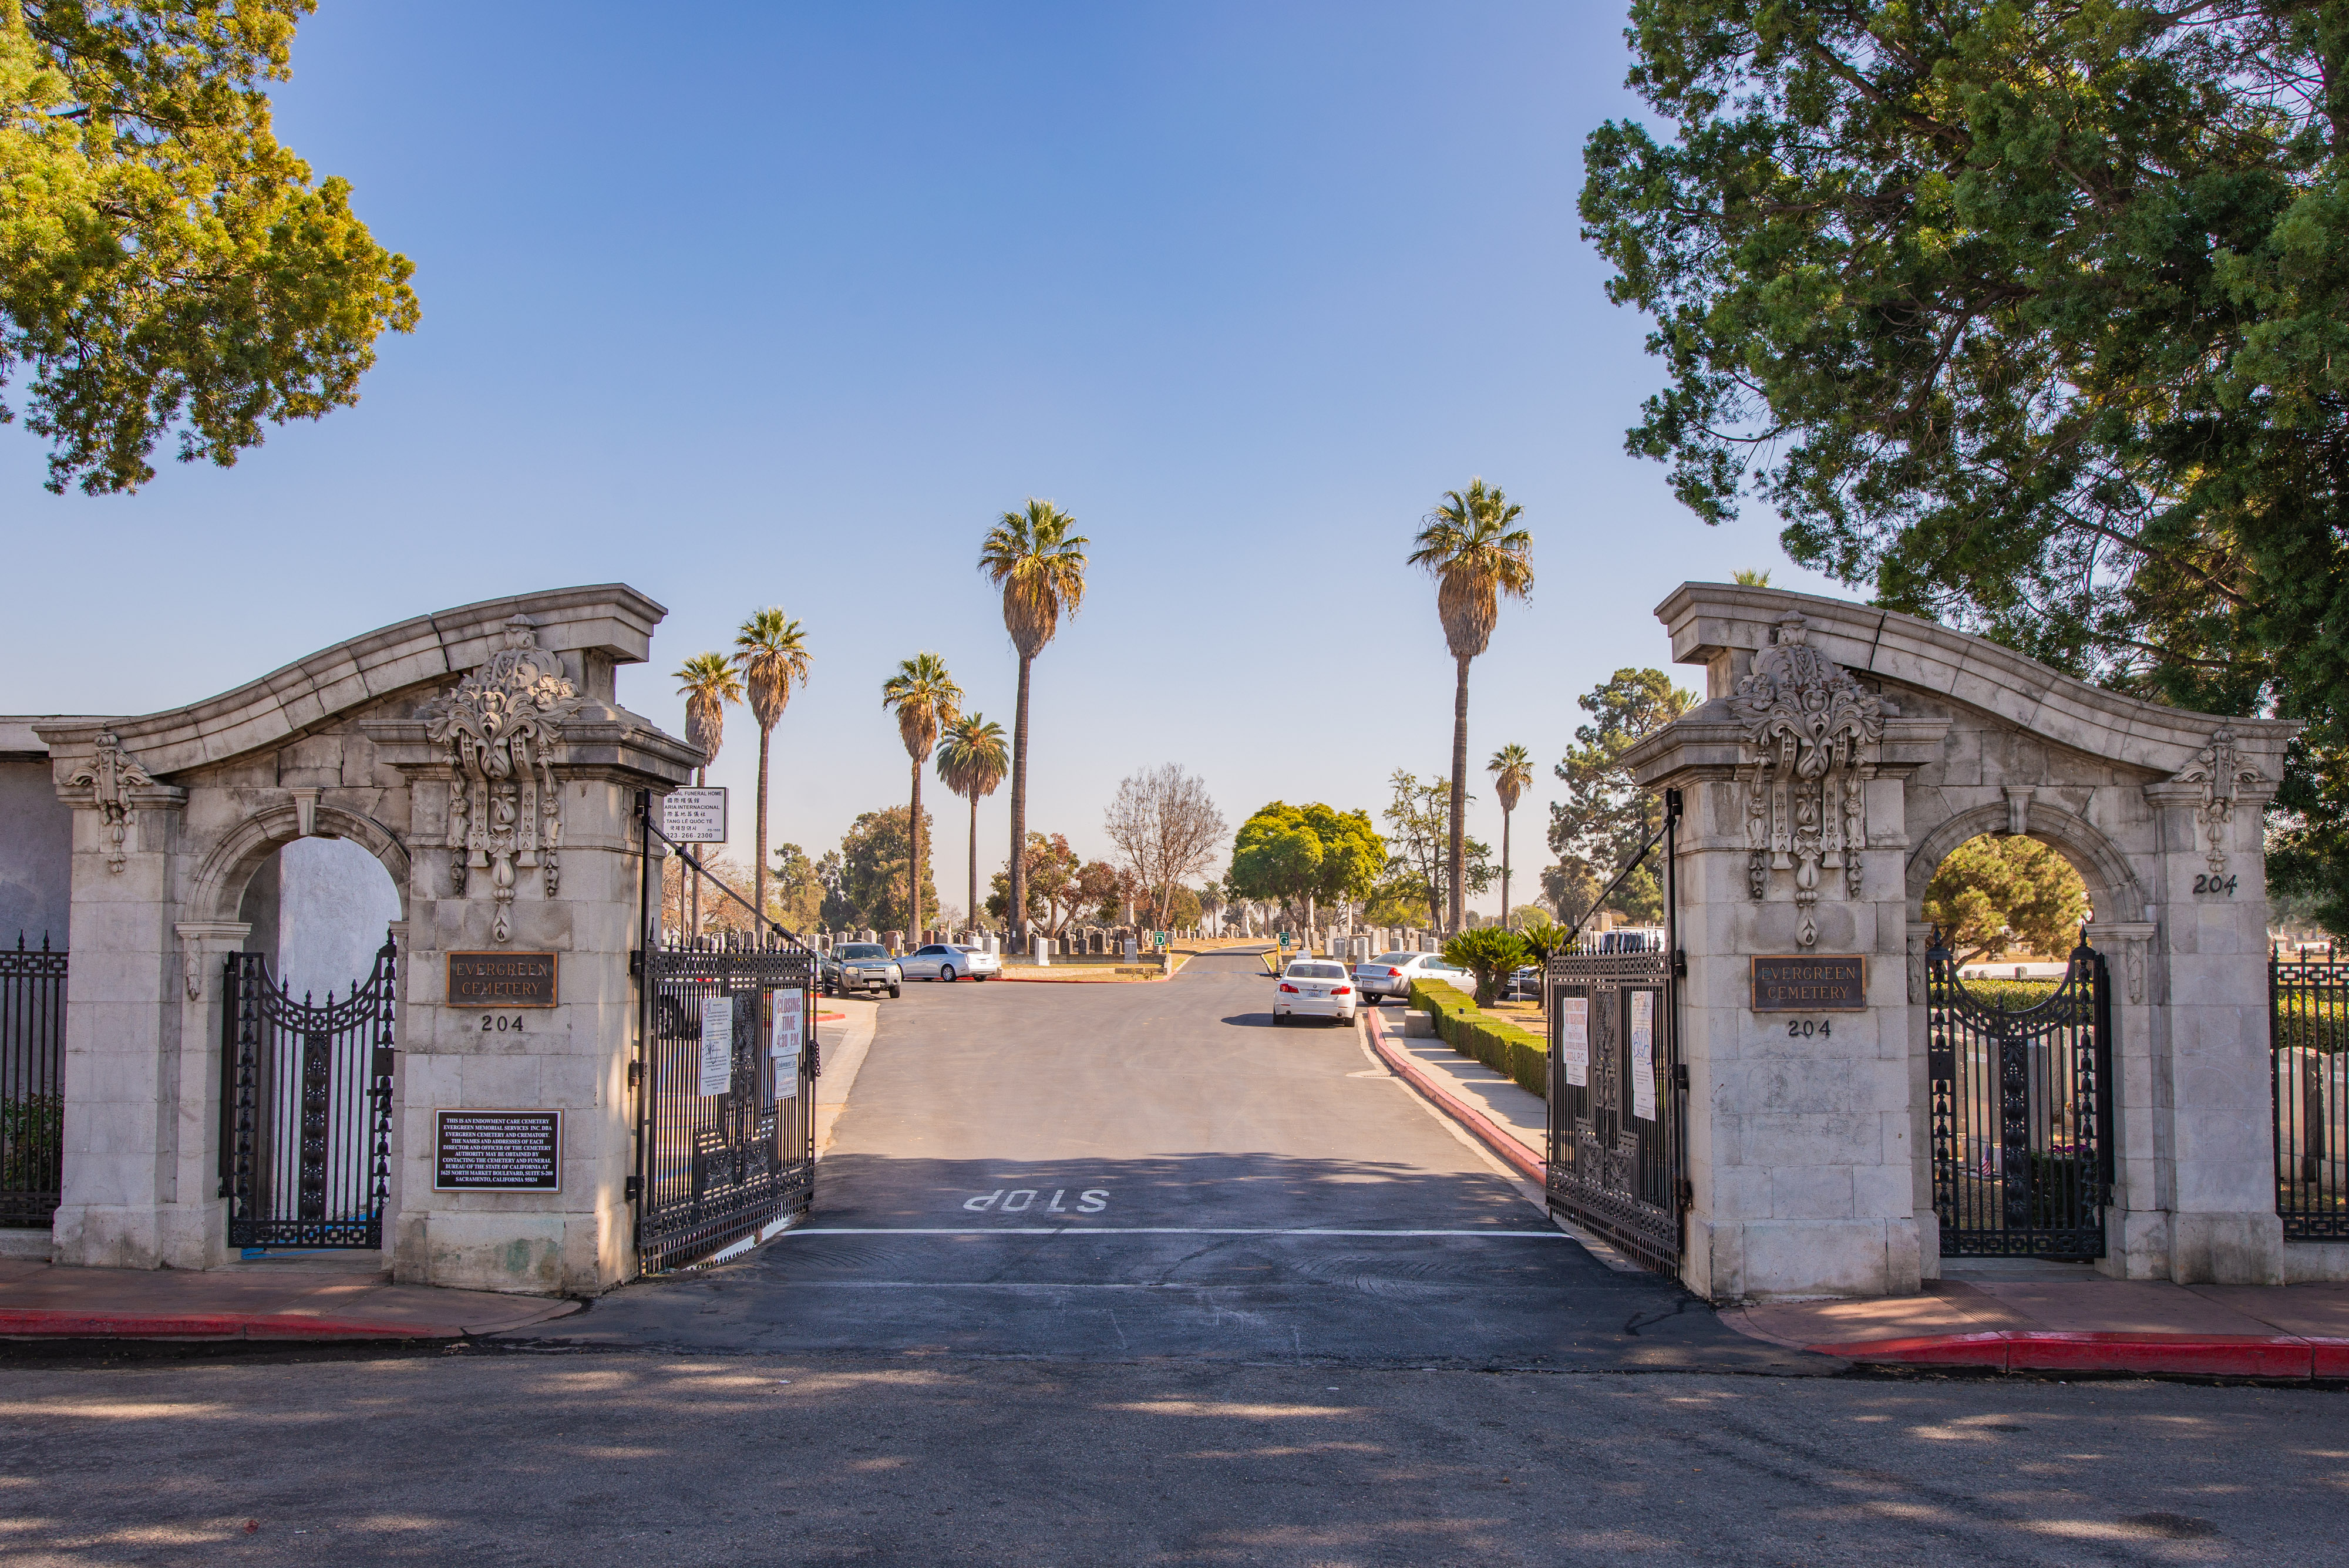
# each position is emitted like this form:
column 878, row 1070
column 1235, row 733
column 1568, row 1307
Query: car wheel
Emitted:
column 896, row 992
column 948, row 974
column 982, row 978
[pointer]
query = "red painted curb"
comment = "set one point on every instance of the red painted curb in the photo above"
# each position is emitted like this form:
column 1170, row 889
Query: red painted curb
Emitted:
column 1488, row 1132
column 33, row 1322
column 2277, row 1357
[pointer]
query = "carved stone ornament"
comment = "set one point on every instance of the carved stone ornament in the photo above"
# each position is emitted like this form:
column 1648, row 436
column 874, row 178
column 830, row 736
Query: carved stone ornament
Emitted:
column 504, row 728
column 1805, row 778
column 2220, row 770
column 110, row 776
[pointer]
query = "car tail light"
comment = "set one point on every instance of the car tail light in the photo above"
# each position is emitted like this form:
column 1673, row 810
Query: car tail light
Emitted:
column 1342, row 991
column 1289, row 988
column 1393, row 973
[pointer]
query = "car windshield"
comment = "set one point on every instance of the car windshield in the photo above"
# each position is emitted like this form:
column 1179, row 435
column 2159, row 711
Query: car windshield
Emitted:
column 863, row 949
column 1316, row 971
column 1394, row 958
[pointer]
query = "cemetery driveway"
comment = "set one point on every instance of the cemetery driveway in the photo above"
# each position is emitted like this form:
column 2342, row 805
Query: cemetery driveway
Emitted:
column 1128, row 1172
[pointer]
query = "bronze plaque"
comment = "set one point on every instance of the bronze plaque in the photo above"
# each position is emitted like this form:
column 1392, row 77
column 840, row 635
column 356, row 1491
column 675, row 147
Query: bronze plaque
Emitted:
column 502, row 979
column 1810, row 983
column 497, row 1151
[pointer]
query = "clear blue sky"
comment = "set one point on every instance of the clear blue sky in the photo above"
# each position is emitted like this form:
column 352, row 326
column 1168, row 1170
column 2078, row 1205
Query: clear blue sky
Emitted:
column 783, row 305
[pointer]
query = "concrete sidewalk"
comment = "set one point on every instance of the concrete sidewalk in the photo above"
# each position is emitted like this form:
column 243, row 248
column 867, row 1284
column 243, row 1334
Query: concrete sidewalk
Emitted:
column 312, row 1296
column 1502, row 1116
column 2023, row 1316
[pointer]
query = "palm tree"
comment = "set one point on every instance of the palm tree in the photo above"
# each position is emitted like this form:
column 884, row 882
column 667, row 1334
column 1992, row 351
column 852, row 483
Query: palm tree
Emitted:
column 972, row 760
column 1471, row 546
column 708, row 682
column 772, row 652
column 926, row 700
column 1512, row 770
column 1033, row 555
column 1753, row 578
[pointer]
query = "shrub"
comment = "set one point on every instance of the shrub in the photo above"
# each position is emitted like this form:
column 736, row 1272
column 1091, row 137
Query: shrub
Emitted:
column 1488, row 953
column 1519, row 1053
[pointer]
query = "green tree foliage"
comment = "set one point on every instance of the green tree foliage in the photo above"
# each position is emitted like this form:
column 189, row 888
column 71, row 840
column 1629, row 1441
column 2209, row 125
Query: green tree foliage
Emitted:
column 873, row 859
column 1059, row 884
column 1290, row 854
column 795, row 891
column 1995, row 893
column 1605, row 817
column 2034, row 316
column 163, row 262
column 1416, row 875
column 1490, row 953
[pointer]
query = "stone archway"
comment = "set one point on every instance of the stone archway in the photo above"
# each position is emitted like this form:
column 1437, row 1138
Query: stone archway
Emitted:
column 379, row 741
column 1841, row 753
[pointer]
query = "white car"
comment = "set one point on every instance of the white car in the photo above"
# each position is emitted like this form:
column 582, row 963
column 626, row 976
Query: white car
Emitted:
column 950, row 961
column 1314, row 988
column 1391, row 974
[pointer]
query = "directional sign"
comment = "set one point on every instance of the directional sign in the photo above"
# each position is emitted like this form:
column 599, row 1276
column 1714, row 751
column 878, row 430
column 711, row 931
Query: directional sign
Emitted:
column 694, row 816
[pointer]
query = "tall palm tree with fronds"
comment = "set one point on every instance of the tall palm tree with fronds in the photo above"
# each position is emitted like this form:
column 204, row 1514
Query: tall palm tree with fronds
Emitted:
column 926, row 700
column 1037, row 559
column 707, row 682
column 1512, row 769
column 972, row 760
column 772, row 652
column 1471, row 544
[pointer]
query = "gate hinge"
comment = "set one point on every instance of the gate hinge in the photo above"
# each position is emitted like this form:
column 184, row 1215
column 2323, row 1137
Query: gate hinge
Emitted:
column 1685, row 1191
column 636, row 963
column 635, row 1077
column 1679, row 963
column 1679, row 1076
column 634, row 1186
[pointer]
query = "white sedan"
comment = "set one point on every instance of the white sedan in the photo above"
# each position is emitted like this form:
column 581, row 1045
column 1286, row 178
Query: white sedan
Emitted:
column 950, row 961
column 1315, row 988
column 1391, row 974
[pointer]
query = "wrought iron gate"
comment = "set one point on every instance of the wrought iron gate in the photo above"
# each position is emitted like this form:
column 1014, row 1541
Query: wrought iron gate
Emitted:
column 2022, row 1113
column 2308, row 1034
column 305, row 1108
column 724, row 1148
column 1616, row 1101
column 32, row 1085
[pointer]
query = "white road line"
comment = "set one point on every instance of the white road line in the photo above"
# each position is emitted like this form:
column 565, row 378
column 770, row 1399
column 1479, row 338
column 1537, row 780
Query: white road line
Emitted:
column 1148, row 1231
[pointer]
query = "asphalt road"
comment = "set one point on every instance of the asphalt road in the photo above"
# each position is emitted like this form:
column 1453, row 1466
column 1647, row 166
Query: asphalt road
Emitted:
column 1251, row 1351
column 1129, row 1172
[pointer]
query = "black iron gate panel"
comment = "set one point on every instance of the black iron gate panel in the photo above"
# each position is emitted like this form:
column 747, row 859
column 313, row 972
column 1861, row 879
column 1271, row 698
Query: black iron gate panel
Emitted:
column 2022, row 1113
column 305, row 1108
column 32, row 1085
column 1617, row 1159
column 726, row 1116
column 2308, row 1034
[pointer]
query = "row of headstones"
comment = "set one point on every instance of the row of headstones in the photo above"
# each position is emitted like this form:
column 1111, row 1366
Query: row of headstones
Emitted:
column 1368, row 941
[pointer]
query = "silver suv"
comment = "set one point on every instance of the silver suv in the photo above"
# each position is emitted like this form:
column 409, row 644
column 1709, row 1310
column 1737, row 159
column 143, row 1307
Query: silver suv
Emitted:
column 1391, row 974
column 862, row 966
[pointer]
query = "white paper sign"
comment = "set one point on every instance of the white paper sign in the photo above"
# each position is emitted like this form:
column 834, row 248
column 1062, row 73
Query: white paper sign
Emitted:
column 784, row 1044
column 694, row 816
column 717, row 1044
column 1574, row 1022
column 1644, row 1055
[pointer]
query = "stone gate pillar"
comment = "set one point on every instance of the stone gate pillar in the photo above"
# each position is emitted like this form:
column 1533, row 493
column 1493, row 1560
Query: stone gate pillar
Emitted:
column 1799, row 1149
column 518, row 995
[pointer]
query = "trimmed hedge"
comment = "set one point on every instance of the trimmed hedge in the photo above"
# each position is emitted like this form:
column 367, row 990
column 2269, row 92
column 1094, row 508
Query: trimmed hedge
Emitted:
column 1519, row 1053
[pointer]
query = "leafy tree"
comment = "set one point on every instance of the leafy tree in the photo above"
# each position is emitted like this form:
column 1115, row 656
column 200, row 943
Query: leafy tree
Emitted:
column 1472, row 546
column 707, row 682
column 164, row 261
column 1419, row 861
column 1038, row 559
column 1572, row 888
column 971, row 762
column 1512, row 768
column 925, row 699
column 772, row 652
column 796, row 900
column 1488, row 953
column 1605, row 817
column 1305, row 854
column 1059, row 884
column 2031, row 317
column 873, row 861
column 1995, row 892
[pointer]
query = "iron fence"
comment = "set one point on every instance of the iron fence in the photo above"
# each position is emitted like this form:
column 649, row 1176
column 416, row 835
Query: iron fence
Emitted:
column 32, row 1085
column 2308, row 995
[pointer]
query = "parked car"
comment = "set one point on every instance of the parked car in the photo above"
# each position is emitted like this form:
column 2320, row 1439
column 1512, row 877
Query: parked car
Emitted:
column 950, row 961
column 1391, row 974
column 862, row 966
column 1314, row 988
